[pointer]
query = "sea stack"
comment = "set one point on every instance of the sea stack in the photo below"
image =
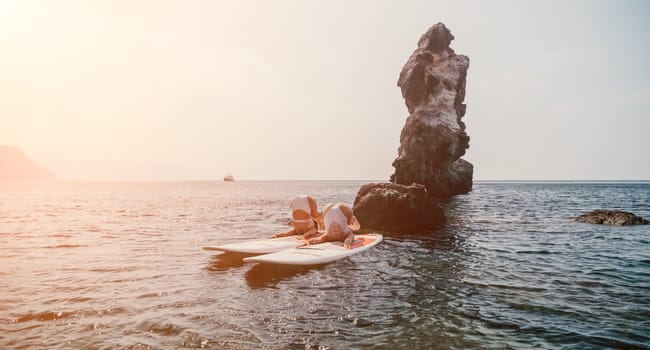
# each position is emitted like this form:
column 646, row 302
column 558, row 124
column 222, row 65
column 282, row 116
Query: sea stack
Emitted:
column 434, row 137
column 429, row 165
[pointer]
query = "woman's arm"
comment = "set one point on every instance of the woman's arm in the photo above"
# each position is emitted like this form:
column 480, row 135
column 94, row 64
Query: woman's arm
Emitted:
column 318, row 240
column 313, row 206
column 353, row 223
column 348, row 240
column 285, row 234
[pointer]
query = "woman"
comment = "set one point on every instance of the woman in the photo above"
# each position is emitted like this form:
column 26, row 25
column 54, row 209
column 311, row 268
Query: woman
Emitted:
column 305, row 218
column 340, row 225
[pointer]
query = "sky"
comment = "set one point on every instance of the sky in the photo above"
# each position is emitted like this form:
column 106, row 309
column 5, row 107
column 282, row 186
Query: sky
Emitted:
column 306, row 90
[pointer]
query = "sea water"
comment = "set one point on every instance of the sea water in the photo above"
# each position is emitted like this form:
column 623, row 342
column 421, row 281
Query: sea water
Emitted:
column 88, row 265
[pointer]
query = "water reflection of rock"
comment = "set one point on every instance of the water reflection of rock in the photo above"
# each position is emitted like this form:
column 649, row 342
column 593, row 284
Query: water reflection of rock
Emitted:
column 424, row 276
column 269, row 275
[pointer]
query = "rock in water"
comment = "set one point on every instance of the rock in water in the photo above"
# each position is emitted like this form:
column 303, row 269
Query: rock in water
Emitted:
column 428, row 164
column 389, row 207
column 434, row 137
column 611, row 217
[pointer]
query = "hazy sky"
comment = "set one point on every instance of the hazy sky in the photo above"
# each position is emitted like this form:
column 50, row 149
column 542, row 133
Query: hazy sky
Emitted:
column 307, row 89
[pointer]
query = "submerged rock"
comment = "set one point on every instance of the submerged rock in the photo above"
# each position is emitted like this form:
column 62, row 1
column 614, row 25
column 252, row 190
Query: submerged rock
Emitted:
column 434, row 137
column 611, row 217
column 389, row 207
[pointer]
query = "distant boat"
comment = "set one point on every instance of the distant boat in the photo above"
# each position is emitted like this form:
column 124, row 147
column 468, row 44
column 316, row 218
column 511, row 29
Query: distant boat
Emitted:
column 228, row 177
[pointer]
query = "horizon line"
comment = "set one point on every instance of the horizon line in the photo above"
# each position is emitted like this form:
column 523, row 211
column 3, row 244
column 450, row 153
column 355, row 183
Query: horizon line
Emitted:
column 321, row 180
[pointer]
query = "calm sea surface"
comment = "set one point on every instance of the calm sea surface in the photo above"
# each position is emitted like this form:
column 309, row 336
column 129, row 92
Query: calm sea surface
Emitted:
column 120, row 266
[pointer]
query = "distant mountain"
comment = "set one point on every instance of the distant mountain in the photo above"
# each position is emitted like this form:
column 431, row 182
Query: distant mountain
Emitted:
column 15, row 165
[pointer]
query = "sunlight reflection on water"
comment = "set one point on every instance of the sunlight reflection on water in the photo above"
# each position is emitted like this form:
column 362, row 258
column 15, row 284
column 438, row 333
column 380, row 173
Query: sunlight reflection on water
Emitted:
column 101, row 265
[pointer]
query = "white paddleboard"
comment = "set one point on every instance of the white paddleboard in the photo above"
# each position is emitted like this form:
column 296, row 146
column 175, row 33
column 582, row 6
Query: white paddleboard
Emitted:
column 322, row 253
column 260, row 246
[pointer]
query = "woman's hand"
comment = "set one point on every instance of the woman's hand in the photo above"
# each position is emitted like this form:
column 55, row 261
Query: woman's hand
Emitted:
column 347, row 244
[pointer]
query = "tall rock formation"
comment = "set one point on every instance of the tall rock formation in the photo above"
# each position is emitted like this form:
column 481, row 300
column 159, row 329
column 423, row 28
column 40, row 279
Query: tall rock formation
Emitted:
column 428, row 166
column 15, row 165
column 434, row 137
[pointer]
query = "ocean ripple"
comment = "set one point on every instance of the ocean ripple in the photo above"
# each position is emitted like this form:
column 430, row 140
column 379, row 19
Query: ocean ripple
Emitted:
column 119, row 266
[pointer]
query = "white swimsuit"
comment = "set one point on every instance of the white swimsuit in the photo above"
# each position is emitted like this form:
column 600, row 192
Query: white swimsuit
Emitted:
column 334, row 214
column 300, row 203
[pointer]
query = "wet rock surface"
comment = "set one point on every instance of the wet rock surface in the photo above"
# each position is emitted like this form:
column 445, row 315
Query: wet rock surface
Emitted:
column 611, row 217
column 429, row 164
column 389, row 207
column 434, row 139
